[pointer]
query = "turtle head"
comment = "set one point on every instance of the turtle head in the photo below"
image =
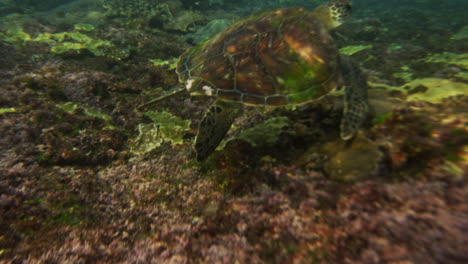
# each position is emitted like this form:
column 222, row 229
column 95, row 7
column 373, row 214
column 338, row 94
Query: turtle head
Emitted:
column 333, row 13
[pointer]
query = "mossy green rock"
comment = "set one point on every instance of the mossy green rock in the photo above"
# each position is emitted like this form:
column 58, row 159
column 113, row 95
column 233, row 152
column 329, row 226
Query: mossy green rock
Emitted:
column 352, row 161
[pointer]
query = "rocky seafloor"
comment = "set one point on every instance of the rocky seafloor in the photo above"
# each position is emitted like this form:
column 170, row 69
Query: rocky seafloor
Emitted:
column 85, row 177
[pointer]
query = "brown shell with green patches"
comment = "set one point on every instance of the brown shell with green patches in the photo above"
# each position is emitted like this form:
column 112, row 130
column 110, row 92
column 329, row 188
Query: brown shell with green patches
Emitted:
column 276, row 58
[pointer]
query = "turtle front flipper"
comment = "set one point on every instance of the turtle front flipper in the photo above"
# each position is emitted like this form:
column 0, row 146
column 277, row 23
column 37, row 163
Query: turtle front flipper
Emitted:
column 214, row 126
column 355, row 99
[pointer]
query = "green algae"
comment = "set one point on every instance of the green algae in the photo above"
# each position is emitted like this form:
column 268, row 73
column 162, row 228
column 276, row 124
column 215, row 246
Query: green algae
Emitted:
column 148, row 139
column 297, row 80
column 15, row 35
column 62, row 42
column 405, row 68
column 68, row 107
column 172, row 128
column 395, row 47
column 84, row 27
column 7, row 110
column 350, row 50
column 171, row 64
column 72, row 107
column 434, row 90
column 165, row 128
column 380, row 119
column 265, row 133
column 449, row 58
column 94, row 113
column 462, row 75
column 73, row 41
column 407, row 76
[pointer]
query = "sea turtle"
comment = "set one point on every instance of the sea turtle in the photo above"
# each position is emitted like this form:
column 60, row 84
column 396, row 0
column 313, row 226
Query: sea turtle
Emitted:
column 276, row 58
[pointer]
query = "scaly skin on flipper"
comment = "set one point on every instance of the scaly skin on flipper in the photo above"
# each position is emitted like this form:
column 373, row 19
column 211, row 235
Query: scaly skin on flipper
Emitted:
column 214, row 126
column 355, row 98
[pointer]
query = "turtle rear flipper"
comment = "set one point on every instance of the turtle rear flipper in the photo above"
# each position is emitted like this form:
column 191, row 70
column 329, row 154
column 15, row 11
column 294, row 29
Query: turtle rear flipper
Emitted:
column 214, row 125
column 355, row 98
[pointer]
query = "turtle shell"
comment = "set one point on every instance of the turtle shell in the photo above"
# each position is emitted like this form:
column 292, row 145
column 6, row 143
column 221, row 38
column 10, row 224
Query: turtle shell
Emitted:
column 275, row 58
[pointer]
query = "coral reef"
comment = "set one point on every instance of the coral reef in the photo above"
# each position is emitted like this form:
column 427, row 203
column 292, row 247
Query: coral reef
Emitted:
column 87, row 178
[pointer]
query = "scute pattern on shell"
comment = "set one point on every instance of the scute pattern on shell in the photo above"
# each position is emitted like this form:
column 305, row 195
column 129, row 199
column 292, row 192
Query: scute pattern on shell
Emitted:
column 275, row 58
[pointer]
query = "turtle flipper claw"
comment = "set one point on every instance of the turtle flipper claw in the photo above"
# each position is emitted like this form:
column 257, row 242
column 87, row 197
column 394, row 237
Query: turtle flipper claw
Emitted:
column 214, row 125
